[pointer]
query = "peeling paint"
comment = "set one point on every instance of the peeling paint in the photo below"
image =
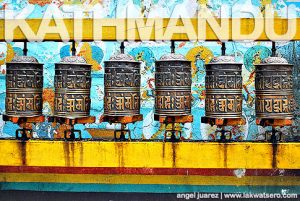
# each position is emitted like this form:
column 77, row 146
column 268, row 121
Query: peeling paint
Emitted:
column 239, row 173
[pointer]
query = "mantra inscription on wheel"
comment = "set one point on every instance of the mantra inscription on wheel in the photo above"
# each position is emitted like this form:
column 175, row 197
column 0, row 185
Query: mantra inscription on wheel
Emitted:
column 274, row 89
column 72, row 88
column 173, row 81
column 122, row 86
column 223, row 84
column 24, row 87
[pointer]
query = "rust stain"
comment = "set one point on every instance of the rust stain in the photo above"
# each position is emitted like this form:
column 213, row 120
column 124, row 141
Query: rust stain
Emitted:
column 66, row 153
column 81, row 153
column 22, row 150
column 247, row 148
column 72, row 146
column 274, row 154
column 225, row 154
column 163, row 152
column 119, row 151
column 174, row 147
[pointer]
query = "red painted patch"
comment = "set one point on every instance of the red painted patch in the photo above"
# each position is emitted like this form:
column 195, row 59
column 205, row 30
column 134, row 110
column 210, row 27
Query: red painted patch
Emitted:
column 146, row 171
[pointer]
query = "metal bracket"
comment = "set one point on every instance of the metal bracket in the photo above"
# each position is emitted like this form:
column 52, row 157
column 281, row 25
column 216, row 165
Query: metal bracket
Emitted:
column 25, row 49
column 223, row 49
column 73, row 48
column 172, row 46
column 122, row 47
column 173, row 132
column 273, row 49
column 173, row 138
column 122, row 132
column 23, row 131
column 122, row 135
column 72, row 134
column 224, row 134
column 273, row 136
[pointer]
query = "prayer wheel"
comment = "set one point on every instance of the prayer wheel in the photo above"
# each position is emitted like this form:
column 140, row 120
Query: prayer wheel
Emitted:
column 173, row 81
column 72, row 88
column 24, row 87
column 223, row 82
column 274, row 89
column 122, row 86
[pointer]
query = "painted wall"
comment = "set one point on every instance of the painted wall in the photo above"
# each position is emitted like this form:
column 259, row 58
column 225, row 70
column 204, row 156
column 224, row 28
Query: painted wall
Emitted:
column 145, row 8
column 97, row 52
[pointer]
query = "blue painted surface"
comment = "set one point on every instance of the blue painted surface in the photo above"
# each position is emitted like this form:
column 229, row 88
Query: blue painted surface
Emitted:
column 145, row 188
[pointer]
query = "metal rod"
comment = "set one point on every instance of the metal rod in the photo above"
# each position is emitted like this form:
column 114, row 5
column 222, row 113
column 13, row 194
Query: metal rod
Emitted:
column 73, row 48
column 122, row 48
column 273, row 136
column 223, row 49
column 25, row 50
column 123, row 132
column 172, row 46
column 273, row 49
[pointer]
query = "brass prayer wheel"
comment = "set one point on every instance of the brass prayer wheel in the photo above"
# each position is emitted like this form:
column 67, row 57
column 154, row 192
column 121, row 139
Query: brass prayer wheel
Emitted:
column 173, row 81
column 223, row 82
column 24, row 87
column 122, row 86
column 274, row 89
column 72, row 88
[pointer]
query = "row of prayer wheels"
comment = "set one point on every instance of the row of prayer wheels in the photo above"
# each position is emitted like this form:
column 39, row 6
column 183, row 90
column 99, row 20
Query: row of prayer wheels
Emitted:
column 223, row 81
column 273, row 88
column 24, row 87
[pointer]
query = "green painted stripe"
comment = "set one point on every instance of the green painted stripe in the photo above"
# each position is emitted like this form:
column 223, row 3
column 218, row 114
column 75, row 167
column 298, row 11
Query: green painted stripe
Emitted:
column 66, row 187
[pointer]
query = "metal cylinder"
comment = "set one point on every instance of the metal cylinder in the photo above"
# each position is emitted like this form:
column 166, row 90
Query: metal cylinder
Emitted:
column 72, row 88
column 24, row 87
column 274, row 89
column 223, row 82
column 173, row 81
column 122, row 86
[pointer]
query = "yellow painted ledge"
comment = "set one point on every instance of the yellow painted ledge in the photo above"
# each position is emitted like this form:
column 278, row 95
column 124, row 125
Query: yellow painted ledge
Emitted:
column 249, row 155
column 149, row 30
